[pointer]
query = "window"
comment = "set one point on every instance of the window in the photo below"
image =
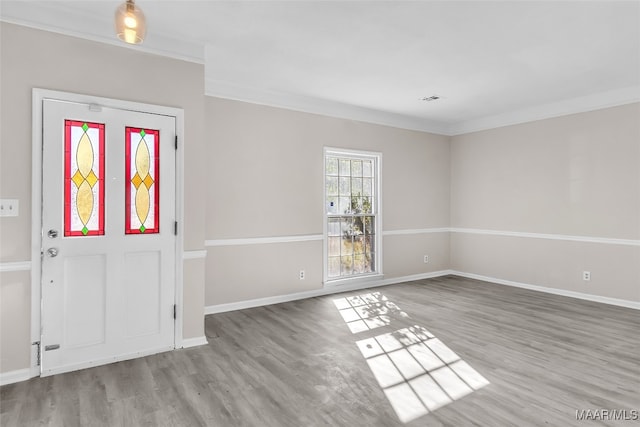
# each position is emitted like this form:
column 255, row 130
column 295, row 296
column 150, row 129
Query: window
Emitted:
column 142, row 191
column 352, row 220
column 83, row 179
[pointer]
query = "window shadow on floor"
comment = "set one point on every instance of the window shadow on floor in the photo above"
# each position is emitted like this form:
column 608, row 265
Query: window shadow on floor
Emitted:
column 417, row 372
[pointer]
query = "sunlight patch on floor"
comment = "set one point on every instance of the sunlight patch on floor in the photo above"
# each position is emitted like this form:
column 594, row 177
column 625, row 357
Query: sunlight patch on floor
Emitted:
column 368, row 311
column 417, row 372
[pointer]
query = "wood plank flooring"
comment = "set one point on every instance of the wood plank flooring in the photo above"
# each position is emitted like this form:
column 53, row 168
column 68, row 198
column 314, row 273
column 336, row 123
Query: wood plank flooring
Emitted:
column 297, row 364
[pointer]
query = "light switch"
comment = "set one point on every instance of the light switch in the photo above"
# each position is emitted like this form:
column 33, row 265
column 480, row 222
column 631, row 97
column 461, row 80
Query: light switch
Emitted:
column 9, row 207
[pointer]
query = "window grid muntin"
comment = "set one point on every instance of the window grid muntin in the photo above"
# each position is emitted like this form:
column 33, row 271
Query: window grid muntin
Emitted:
column 350, row 183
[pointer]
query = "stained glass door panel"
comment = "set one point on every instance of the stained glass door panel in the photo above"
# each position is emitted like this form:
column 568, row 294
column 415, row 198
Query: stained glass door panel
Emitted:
column 142, row 191
column 83, row 178
column 107, row 297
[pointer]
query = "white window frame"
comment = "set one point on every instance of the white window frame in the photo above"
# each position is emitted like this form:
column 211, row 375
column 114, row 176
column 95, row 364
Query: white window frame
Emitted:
column 376, row 157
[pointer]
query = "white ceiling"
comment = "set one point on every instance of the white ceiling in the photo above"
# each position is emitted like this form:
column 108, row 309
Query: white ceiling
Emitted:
column 492, row 63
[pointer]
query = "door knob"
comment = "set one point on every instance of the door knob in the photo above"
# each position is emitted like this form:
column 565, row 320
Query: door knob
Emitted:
column 52, row 234
column 52, row 252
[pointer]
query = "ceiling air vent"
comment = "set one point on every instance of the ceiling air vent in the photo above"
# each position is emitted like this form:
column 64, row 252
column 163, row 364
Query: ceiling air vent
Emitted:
column 430, row 98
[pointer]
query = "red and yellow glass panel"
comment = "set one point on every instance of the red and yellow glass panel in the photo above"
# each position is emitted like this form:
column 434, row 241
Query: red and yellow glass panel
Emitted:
column 142, row 164
column 83, row 178
column 84, row 183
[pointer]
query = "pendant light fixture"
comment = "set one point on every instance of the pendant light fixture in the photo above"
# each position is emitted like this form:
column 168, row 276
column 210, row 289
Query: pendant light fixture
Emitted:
column 131, row 25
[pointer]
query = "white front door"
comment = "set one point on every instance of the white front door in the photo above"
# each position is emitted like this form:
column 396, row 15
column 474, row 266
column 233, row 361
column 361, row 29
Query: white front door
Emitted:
column 108, row 241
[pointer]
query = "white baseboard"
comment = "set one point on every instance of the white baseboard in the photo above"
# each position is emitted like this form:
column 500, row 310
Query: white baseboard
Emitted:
column 555, row 291
column 194, row 342
column 15, row 376
column 259, row 302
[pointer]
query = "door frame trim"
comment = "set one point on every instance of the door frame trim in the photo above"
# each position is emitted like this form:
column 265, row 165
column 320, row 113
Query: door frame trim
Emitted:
column 38, row 96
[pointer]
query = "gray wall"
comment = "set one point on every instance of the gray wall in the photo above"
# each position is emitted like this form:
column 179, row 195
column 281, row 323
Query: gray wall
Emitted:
column 266, row 180
column 576, row 175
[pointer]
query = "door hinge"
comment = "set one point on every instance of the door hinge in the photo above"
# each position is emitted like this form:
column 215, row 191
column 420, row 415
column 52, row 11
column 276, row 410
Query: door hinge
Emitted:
column 175, row 228
column 176, row 142
column 37, row 343
column 175, row 311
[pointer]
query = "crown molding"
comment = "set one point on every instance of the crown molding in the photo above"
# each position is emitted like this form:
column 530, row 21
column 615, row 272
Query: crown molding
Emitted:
column 238, row 92
column 597, row 101
column 41, row 17
column 582, row 104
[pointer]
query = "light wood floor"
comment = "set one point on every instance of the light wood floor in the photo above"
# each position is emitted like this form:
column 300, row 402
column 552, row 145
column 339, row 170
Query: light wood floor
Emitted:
column 297, row 364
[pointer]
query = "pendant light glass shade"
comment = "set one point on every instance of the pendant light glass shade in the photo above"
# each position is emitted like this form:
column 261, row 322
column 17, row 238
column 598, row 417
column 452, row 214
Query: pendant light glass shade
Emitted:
column 131, row 26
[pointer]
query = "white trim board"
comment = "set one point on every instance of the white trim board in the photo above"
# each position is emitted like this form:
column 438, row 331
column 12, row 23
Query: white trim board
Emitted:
column 194, row 342
column 584, row 239
column 309, row 237
column 16, row 376
column 581, row 104
column 262, row 240
column 259, row 302
column 15, row 266
column 194, row 254
column 555, row 291
column 415, row 231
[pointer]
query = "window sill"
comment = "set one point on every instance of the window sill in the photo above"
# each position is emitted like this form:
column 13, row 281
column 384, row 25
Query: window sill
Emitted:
column 336, row 283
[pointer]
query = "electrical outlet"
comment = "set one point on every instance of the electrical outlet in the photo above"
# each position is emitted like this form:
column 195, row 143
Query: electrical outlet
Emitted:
column 586, row 276
column 301, row 275
column 426, row 259
column 9, row 207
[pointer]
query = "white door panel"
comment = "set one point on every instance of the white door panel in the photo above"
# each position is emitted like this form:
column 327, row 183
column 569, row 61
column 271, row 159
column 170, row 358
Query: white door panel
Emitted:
column 84, row 301
column 108, row 296
column 142, row 285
